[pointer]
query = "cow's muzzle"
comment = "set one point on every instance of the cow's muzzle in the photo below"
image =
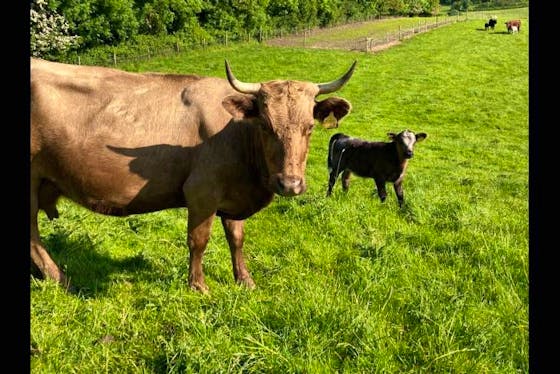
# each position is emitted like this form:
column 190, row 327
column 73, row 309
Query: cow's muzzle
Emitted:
column 408, row 154
column 289, row 185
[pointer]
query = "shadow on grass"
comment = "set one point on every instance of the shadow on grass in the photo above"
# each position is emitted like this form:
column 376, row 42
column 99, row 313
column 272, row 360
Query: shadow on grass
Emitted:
column 408, row 213
column 89, row 270
column 493, row 32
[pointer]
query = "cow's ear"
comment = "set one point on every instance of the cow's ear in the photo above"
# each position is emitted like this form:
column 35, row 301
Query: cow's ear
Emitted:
column 330, row 111
column 240, row 106
column 392, row 135
column 421, row 136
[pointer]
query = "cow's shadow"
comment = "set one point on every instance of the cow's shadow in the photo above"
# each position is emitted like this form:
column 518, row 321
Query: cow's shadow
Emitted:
column 90, row 271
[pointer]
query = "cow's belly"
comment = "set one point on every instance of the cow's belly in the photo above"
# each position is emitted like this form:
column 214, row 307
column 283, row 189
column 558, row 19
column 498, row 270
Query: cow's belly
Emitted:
column 114, row 185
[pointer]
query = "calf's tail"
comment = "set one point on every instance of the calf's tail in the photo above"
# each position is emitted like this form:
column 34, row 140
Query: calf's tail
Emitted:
column 331, row 159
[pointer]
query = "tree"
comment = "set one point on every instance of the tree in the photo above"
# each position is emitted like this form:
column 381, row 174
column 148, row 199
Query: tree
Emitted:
column 49, row 31
column 160, row 17
column 100, row 22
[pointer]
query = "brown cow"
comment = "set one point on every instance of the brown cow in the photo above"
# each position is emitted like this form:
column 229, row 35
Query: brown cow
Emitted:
column 513, row 25
column 122, row 143
column 382, row 161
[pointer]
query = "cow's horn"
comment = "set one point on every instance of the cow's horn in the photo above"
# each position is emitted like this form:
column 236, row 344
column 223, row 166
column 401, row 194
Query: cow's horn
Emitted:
column 248, row 88
column 325, row 88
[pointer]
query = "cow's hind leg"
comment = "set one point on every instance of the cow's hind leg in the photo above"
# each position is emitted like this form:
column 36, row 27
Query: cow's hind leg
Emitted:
column 234, row 230
column 39, row 256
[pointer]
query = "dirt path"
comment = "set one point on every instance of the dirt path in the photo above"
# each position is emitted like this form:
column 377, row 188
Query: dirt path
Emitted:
column 323, row 39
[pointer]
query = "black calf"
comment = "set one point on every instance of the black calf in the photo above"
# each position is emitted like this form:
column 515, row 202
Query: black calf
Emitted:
column 384, row 162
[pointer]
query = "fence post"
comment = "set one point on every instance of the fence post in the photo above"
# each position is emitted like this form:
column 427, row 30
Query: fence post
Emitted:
column 79, row 62
column 114, row 58
column 226, row 38
column 399, row 32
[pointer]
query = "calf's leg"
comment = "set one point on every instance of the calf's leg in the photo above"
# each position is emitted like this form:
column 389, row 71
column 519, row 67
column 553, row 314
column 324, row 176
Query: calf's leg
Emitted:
column 234, row 230
column 399, row 191
column 380, row 184
column 346, row 179
column 332, row 180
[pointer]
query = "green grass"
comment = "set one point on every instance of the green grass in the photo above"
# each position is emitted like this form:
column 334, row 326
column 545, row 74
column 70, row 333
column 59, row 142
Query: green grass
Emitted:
column 346, row 284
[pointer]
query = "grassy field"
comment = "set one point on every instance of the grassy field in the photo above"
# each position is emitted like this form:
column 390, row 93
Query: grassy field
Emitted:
column 346, row 284
column 352, row 36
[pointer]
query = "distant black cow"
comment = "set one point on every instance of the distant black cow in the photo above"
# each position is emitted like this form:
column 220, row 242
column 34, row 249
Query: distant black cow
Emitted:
column 491, row 23
column 382, row 161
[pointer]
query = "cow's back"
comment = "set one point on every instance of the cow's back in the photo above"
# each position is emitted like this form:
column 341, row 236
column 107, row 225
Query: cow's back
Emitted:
column 131, row 108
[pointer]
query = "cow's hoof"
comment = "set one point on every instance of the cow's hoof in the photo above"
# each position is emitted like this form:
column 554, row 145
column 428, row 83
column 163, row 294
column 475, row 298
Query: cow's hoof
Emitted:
column 247, row 282
column 200, row 287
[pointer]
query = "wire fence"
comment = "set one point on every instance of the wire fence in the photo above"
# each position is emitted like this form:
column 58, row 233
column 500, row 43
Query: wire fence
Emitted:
column 368, row 44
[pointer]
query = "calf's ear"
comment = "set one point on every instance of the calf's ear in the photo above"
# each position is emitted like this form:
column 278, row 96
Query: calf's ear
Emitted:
column 392, row 135
column 240, row 106
column 330, row 111
column 421, row 136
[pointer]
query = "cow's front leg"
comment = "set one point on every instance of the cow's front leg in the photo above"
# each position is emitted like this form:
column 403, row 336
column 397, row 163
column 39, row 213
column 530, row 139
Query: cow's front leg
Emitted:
column 199, row 229
column 234, row 230
column 380, row 184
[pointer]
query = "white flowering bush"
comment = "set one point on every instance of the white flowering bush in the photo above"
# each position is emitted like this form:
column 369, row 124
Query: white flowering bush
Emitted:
column 49, row 31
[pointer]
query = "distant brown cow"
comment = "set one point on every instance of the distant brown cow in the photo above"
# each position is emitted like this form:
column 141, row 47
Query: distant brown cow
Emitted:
column 513, row 23
column 123, row 143
column 382, row 161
